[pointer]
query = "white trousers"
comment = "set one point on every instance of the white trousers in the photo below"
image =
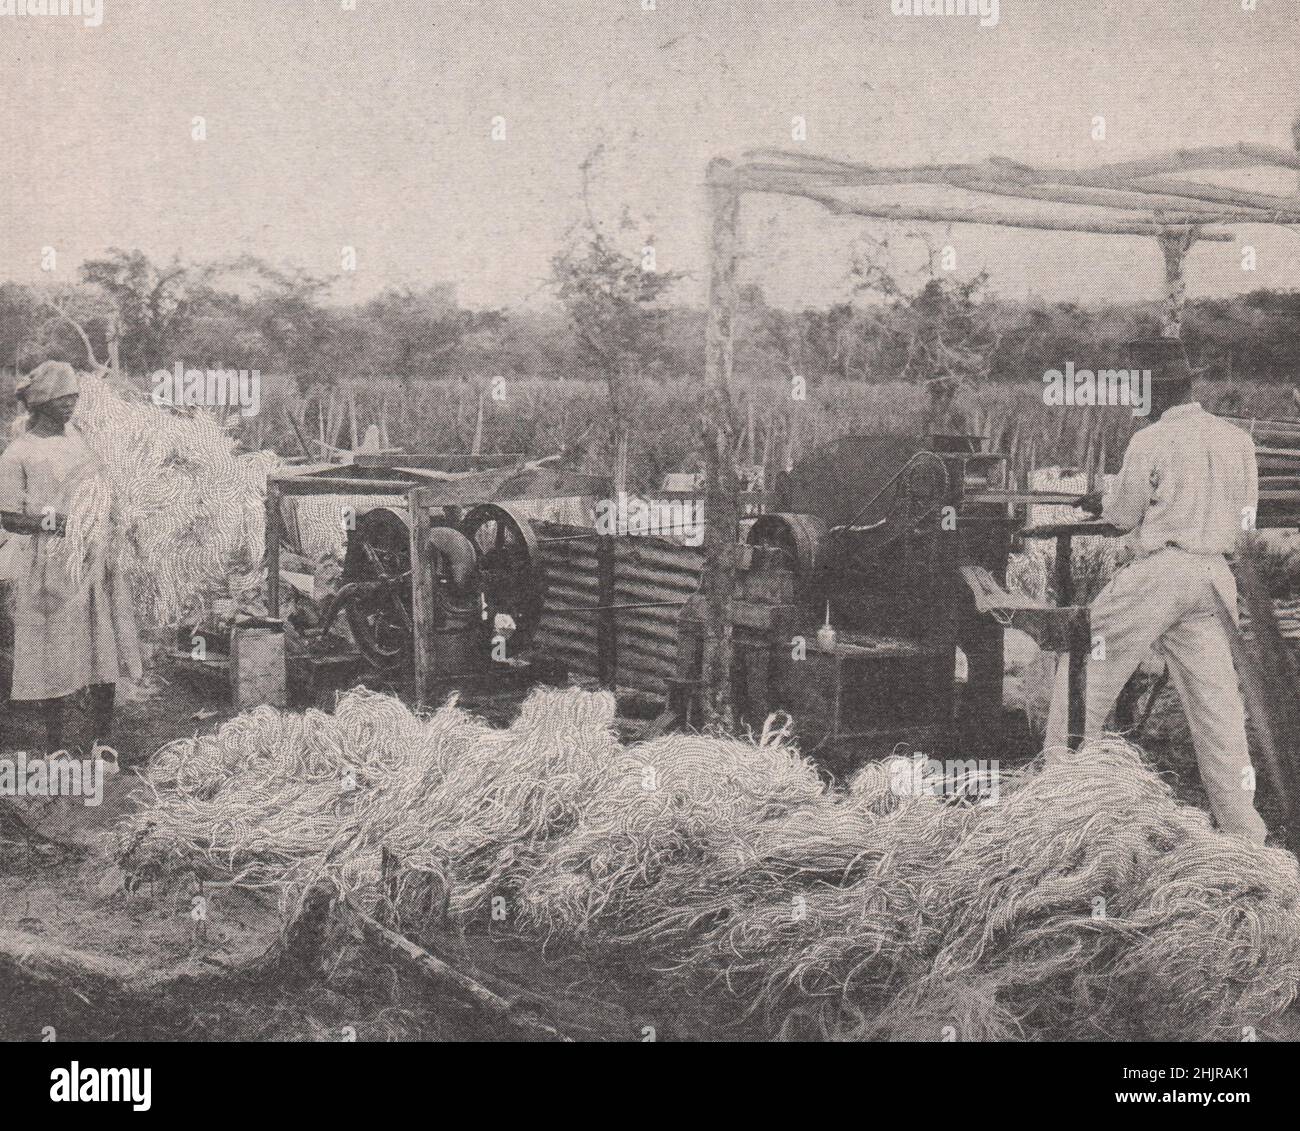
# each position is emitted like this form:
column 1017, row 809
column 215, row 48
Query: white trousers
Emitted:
column 1167, row 600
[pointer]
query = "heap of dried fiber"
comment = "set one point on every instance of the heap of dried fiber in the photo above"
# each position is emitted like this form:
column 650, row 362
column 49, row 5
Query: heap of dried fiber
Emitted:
column 1084, row 903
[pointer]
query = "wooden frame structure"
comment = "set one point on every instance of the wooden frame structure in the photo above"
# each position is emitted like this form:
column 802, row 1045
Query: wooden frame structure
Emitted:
column 418, row 484
column 1147, row 197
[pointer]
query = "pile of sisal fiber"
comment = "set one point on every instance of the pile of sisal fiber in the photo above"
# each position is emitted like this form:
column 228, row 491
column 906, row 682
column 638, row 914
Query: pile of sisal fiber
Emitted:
column 1084, row 903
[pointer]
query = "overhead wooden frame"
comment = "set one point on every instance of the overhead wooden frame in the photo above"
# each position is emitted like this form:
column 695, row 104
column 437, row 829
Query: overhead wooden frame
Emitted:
column 1145, row 197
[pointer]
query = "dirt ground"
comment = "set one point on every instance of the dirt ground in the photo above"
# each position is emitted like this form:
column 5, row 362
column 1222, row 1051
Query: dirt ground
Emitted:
column 185, row 948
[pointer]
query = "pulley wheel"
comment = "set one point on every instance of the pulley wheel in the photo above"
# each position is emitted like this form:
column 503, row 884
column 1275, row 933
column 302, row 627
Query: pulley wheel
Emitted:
column 510, row 574
column 455, row 569
column 802, row 539
column 378, row 562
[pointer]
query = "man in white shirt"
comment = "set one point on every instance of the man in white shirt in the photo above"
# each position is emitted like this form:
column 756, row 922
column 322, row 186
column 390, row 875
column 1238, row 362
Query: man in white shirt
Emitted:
column 1187, row 490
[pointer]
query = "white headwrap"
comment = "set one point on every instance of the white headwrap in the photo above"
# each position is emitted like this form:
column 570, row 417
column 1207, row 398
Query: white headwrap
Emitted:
column 47, row 382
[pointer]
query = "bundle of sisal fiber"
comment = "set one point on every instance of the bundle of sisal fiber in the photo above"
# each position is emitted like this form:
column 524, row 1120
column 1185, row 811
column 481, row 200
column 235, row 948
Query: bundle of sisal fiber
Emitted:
column 1084, row 902
column 179, row 508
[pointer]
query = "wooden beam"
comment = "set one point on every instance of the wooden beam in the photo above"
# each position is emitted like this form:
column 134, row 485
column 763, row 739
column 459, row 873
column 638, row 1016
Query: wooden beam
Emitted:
column 884, row 211
column 1239, row 156
column 1115, row 186
column 1178, row 210
column 1216, row 194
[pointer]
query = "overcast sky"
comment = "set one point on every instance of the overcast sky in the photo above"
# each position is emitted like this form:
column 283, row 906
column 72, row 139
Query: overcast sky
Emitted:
column 372, row 129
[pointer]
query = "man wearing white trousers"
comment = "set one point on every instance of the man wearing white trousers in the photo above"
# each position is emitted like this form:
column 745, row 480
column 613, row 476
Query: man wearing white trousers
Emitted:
column 1187, row 490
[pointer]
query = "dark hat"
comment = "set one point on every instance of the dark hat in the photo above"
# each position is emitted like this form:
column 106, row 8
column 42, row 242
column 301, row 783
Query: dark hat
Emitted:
column 1165, row 357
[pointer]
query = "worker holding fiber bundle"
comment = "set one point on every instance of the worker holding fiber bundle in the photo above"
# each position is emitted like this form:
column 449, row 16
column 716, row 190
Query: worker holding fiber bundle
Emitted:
column 73, row 627
column 1187, row 490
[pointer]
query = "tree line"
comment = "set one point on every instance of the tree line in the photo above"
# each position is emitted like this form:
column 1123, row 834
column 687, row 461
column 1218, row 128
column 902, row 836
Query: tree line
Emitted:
column 613, row 320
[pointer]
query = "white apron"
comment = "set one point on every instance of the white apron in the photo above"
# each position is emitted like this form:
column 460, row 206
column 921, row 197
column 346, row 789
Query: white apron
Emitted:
column 67, row 635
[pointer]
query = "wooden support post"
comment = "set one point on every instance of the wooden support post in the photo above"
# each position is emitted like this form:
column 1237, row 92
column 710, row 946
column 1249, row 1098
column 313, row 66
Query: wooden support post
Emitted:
column 721, row 493
column 1064, row 570
column 606, row 623
column 423, row 658
column 1174, row 245
column 757, row 661
column 981, row 638
column 1080, row 641
column 274, row 532
column 1077, row 703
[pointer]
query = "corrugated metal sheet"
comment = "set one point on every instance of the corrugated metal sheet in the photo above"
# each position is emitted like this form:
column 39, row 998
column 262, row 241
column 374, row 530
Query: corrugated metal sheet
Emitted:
column 646, row 570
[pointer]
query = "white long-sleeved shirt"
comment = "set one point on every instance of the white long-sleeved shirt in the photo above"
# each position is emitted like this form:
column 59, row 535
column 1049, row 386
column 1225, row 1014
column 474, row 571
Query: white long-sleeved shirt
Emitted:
column 1188, row 480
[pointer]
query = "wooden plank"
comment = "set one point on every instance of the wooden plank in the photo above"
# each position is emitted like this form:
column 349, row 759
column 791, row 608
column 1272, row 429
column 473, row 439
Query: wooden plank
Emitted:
column 301, row 470
column 291, row 485
column 1025, row 498
column 1276, row 437
column 438, row 462
column 1274, row 423
column 1076, row 529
